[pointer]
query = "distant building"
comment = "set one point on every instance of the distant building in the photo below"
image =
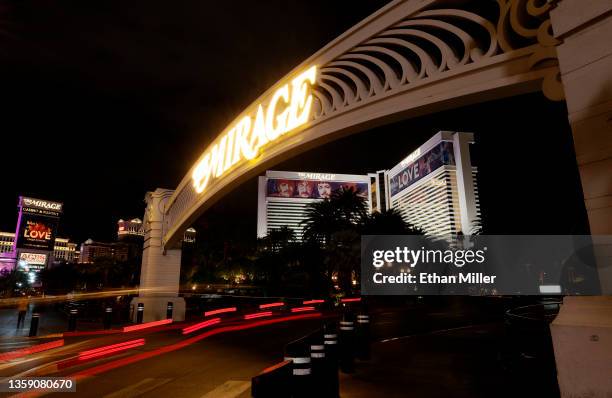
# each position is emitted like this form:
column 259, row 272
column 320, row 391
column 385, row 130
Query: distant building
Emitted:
column 7, row 242
column 189, row 236
column 284, row 197
column 130, row 229
column 65, row 251
column 435, row 187
column 131, row 234
column 92, row 250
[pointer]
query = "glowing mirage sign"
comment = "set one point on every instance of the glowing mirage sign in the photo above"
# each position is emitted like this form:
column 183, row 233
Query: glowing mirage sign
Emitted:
column 289, row 107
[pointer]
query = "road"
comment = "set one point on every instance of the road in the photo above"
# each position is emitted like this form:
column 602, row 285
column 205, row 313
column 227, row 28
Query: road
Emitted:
column 433, row 349
column 169, row 363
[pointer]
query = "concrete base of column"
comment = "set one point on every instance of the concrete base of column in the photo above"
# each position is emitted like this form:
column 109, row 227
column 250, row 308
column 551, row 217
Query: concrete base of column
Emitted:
column 155, row 308
column 582, row 339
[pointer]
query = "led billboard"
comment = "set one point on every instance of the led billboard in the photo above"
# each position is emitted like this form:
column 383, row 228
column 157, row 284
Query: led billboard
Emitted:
column 311, row 189
column 438, row 156
column 37, row 223
column 36, row 232
column 33, row 258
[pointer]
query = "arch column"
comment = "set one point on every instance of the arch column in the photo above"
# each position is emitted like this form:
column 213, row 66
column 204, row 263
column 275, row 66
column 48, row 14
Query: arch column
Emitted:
column 161, row 268
column 582, row 332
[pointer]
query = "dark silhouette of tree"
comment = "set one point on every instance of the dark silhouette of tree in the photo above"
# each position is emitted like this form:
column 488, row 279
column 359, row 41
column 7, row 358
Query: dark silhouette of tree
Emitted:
column 9, row 281
column 278, row 239
column 286, row 265
column 388, row 222
column 335, row 224
column 61, row 278
column 343, row 210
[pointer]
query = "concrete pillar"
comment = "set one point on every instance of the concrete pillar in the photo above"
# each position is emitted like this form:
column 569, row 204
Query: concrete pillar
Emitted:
column 582, row 332
column 161, row 269
column 585, row 61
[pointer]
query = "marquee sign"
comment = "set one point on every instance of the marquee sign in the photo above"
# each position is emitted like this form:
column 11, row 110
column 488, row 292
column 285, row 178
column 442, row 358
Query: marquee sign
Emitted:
column 289, row 107
column 40, row 206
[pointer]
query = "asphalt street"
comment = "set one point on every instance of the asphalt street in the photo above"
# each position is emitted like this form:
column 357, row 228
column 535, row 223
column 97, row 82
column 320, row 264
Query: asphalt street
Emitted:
column 435, row 349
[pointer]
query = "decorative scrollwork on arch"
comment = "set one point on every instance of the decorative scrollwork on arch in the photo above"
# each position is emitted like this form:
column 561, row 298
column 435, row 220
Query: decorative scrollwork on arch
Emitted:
column 432, row 42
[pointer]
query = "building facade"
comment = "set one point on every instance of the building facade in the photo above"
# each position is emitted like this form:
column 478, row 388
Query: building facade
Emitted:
column 434, row 187
column 130, row 229
column 284, row 196
column 190, row 235
column 65, row 251
column 93, row 250
column 7, row 242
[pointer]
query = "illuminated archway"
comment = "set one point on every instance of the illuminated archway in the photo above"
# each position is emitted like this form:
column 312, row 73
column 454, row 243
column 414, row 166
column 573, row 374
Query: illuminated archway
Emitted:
column 408, row 59
column 411, row 58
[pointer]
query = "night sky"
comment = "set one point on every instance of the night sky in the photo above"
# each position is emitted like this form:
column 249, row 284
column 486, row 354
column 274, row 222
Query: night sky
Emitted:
column 104, row 100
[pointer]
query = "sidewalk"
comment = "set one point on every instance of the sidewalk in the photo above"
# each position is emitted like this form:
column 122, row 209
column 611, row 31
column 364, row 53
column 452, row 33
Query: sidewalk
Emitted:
column 461, row 362
column 50, row 322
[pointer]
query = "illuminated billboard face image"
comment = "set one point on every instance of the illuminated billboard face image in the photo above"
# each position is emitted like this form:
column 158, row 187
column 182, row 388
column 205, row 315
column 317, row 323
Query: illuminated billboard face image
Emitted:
column 311, row 189
column 36, row 232
column 438, row 156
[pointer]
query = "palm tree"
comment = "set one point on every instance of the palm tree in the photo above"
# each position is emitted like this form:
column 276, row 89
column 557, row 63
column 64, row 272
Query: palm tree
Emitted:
column 321, row 221
column 344, row 210
column 351, row 206
column 388, row 222
column 334, row 225
column 278, row 239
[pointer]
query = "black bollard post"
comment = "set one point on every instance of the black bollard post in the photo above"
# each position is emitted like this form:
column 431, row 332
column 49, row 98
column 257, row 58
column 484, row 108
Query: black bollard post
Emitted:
column 330, row 341
column 34, row 324
column 362, row 335
column 169, row 309
column 108, row 316
column 72, row 318
column 298, row 352
column 140, row 313
column 347, row 343
column 318, row 362
column 330, row 336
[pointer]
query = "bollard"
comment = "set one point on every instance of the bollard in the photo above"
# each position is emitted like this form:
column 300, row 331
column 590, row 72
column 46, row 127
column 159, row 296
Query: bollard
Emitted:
column 34, row 324
column 362, row 337
column 318, row 362
column 330, row 337
column 72, row 318
column 140, row 313
column 330, row 341
column 169, row 309
column 298, row 352
column 346, row 344
column 108, row 316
